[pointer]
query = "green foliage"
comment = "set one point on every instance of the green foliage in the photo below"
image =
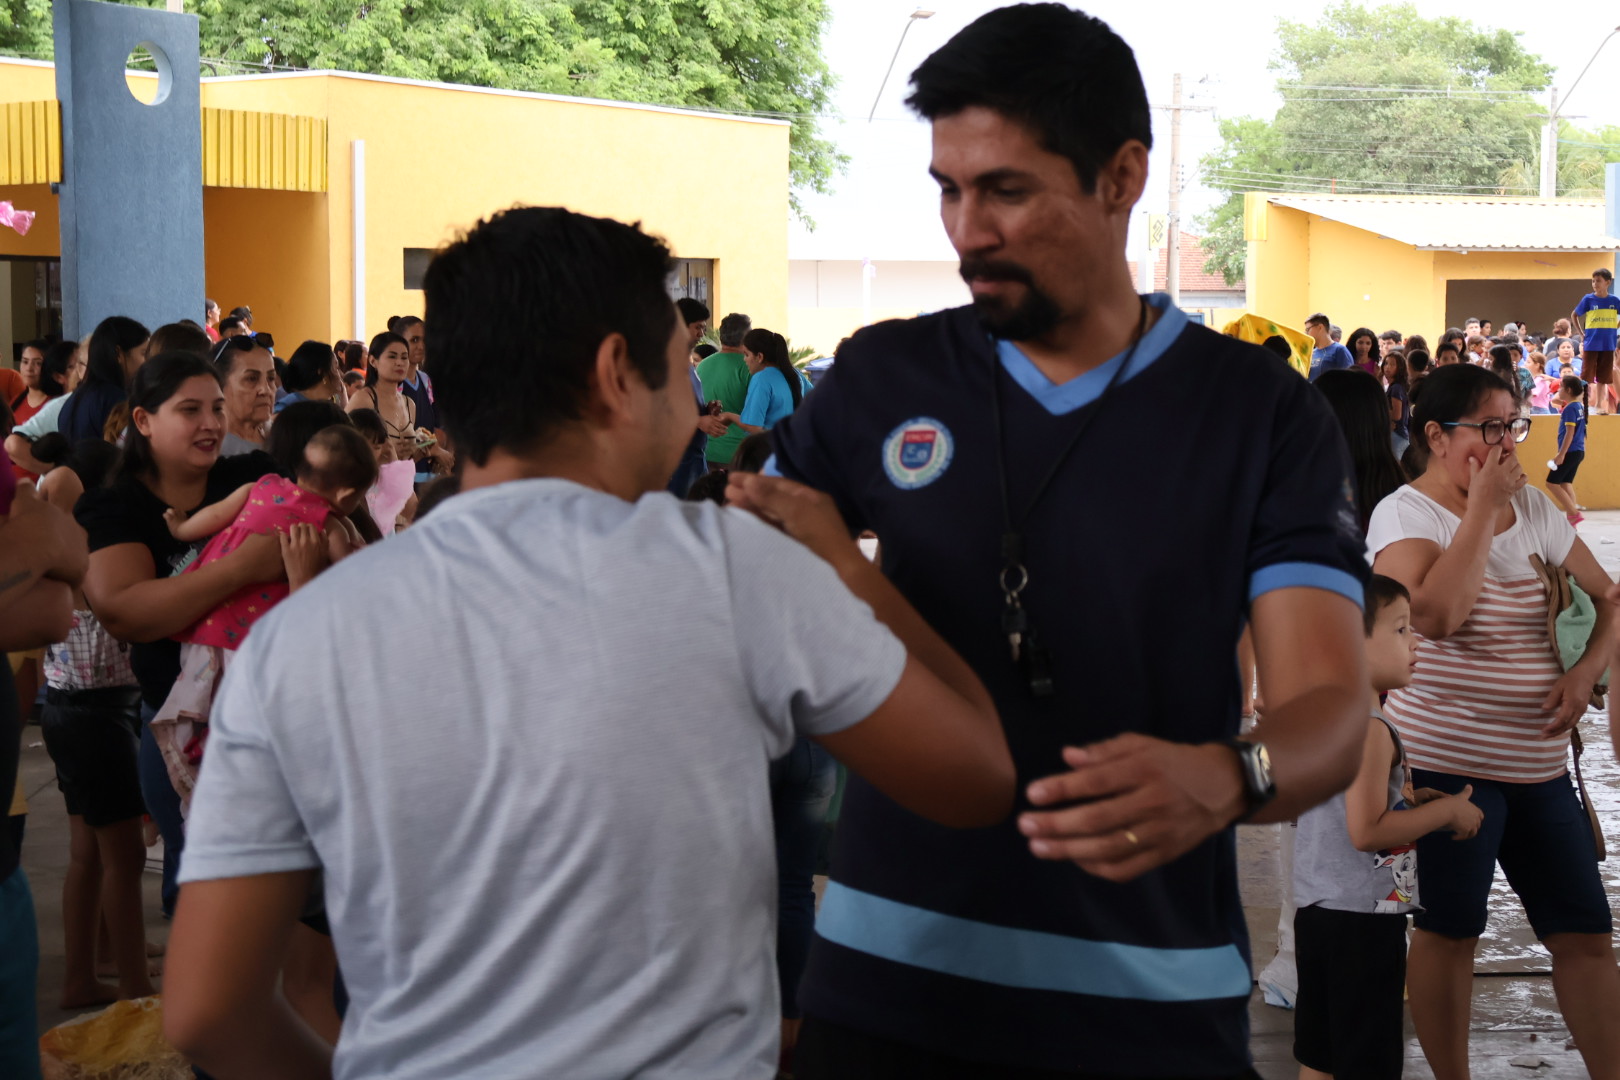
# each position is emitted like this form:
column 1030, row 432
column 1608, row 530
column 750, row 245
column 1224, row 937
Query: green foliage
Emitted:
column 756, row 56
column 1460, row 117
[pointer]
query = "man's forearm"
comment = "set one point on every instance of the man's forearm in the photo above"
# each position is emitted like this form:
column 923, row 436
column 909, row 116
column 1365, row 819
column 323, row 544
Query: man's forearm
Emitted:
column 270, row 1043
column 1315, row 743
column 867, row 582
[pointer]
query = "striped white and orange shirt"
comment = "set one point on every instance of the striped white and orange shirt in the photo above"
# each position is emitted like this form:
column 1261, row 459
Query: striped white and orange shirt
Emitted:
column 1474, row 707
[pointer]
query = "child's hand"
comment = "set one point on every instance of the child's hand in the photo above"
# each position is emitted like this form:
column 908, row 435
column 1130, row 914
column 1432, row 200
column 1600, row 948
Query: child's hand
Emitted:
column 303, row 553
column 1465, row 816
column 174, row 519
column 1424, row 795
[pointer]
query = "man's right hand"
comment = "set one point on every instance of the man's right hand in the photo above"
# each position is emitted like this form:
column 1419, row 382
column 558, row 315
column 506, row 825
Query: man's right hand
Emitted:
column 804, row 513
column 712, row 426
column 39, row 526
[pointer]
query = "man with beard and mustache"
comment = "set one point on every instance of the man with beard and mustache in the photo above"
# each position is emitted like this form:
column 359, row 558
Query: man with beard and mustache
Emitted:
column 1088, row 496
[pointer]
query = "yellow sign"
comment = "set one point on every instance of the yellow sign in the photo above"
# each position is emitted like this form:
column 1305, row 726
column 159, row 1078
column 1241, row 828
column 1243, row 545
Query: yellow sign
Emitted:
column 1158, row 231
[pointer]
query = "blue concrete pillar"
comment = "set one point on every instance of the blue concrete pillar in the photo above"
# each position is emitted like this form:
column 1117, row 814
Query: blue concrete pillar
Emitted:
column 131, row 192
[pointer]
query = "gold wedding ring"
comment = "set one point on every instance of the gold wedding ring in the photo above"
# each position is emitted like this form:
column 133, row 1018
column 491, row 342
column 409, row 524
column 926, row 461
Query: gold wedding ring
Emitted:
column 1135, row 840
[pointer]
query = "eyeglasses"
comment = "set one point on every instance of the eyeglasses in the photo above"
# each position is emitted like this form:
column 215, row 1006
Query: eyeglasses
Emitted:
column 1493, row 430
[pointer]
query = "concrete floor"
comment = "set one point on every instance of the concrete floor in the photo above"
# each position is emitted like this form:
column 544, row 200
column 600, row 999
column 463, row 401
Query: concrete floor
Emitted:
column 1515, row 1014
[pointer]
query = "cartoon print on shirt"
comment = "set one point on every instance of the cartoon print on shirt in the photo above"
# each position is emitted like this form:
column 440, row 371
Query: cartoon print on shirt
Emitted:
column 1402, row 864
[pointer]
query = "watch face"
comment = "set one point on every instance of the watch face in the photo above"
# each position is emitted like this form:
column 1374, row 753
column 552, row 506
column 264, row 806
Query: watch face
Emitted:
column 1262, row 759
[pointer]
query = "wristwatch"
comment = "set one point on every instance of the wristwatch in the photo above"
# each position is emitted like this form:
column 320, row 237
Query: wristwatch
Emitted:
column 1254, row 764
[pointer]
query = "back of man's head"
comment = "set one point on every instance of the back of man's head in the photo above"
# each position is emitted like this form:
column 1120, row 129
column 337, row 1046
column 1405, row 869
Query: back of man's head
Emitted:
column 540, row 287
column 733, row 328
column 1061, row 73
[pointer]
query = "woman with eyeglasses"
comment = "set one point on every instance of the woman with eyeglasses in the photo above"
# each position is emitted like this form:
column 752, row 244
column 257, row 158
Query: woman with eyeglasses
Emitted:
column 1490, row 708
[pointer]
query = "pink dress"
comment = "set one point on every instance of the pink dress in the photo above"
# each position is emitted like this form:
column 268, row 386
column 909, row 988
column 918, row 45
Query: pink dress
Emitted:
column 275, row 503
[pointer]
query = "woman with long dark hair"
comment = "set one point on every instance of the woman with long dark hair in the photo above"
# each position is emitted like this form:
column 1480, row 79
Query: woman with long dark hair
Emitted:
column 309, row 374
column 1397, row 389
column 775, row 386
column 117, row 351
column 1363, row 411
column 1363, row 346
column 170, row 459
column 1501, row 365
column 390, row 364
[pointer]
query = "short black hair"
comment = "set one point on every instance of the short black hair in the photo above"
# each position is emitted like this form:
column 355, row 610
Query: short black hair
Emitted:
column 229, row 322
column 1573, row 386
column 692, row 310
column 1378, row 594
column 1391, row 335
column 295, row 426
column 753, row 452
column 1062, row 73
column 733, row 328
column 433, row 493
column 369, row 423
column 1604, row 273
column 704, row 350
column 541, row 287
column 1318, row 319
column 1279, row 345
column 244, row 313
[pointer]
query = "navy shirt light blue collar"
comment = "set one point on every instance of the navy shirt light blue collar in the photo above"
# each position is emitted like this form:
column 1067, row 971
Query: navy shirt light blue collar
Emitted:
column 1080, row 391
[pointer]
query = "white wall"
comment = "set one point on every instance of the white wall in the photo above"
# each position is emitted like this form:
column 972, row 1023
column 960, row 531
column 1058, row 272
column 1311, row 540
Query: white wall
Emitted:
column 921, row 286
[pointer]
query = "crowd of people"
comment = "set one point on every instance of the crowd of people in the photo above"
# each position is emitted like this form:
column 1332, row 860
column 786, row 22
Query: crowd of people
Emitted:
column 475, row 753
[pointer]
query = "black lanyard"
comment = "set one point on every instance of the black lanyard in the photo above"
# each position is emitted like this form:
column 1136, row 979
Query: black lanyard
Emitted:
column 1033, row 661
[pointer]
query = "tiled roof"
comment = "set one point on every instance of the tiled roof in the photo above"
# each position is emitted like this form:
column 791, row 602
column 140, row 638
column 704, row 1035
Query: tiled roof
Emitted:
column 1466, row 222
column 1193, row 277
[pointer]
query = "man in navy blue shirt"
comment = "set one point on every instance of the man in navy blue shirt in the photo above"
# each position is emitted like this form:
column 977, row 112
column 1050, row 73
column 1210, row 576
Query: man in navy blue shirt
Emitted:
column 1328, row 355
column 998, row 451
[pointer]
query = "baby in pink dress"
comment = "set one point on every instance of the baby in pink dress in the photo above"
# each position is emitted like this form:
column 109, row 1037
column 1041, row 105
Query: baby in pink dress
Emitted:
column 333, row 478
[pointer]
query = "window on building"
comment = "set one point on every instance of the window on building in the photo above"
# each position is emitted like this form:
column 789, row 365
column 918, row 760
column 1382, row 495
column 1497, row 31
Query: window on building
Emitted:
column 693, row 278
column 416, row 264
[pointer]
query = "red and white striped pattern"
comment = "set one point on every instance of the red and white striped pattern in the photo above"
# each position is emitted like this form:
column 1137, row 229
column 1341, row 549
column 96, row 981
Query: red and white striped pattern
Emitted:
column 1474, row 706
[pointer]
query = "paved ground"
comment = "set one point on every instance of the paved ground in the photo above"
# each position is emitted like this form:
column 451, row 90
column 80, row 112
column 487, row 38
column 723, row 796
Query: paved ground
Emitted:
column 1515, row 1014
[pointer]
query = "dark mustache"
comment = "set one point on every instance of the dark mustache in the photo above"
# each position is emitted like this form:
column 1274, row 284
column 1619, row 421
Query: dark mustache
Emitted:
column 995, row 270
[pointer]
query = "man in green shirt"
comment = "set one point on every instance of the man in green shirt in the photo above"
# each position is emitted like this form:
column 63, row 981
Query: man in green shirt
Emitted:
column 724, row 376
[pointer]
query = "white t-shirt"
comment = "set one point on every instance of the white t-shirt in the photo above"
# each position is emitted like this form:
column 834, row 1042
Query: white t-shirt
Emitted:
column 1474, row 706
column 527, row 742
column 43, row 422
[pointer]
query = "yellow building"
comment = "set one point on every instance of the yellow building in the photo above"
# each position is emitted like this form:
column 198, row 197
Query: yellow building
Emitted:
column 1419, row 264
column 325, row 192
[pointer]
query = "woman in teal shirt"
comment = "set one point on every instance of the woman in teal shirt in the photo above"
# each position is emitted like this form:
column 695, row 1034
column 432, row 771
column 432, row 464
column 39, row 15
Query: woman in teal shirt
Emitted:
column 775, row 386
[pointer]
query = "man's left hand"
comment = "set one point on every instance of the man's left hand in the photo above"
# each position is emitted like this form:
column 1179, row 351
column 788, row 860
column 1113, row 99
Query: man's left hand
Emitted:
column 1144, row 802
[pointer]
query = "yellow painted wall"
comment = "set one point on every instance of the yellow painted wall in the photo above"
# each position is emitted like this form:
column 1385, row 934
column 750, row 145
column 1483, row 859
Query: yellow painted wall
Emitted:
column 439, row 159
column 1360, row 279
column 1597, row 485
column 44, row 239
column 268, row 249
column 1277, row 267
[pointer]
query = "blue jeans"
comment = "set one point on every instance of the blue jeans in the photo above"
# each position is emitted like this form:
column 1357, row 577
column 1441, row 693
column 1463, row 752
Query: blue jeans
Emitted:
column 163, row 803
column 802, row 786
column 19, row 969
column 693, row 467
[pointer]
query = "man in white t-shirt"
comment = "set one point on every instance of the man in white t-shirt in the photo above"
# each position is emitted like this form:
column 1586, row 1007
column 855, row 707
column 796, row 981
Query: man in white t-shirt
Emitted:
column 546, row 840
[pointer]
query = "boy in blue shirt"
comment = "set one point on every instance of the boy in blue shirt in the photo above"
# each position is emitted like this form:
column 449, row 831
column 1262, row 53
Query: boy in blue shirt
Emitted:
column 1328, row 355
column 1600, row 324
column 1355, row 876
column 1571, row 446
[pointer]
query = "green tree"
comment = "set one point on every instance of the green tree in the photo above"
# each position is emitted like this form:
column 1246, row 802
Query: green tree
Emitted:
column 755, row 56
column 1381, row 100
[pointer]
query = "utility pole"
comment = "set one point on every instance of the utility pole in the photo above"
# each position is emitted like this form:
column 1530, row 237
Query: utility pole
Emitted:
column 1549, row 150
column 1172, row 268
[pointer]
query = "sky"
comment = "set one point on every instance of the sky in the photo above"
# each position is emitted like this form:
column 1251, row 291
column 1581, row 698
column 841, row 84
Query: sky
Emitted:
column 886, row 207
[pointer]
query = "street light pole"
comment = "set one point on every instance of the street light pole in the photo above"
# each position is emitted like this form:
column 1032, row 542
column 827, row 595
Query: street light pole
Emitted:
column 920, row 13
column 867, row 269
column 1549, row 133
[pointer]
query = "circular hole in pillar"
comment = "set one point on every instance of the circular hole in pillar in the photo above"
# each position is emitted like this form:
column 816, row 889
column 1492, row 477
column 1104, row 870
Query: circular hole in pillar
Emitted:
column 148, row 60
